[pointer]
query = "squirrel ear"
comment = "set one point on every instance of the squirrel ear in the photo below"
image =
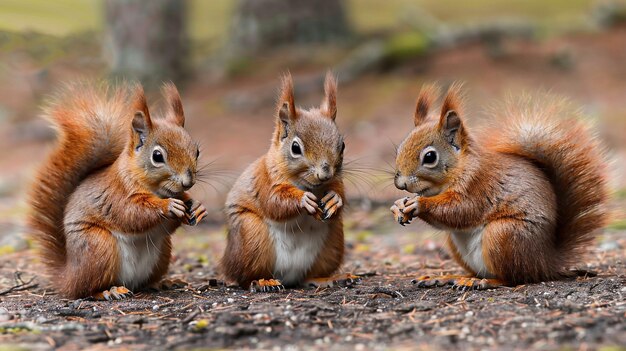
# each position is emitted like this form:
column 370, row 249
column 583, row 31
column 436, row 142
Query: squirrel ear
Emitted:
column 140, row 104
column 141, row 123
column 175, row 111
column 329, row 105
column 452, row 128
column 286, row 104
column 141, row 120
column 450, row 123
column 425, row 100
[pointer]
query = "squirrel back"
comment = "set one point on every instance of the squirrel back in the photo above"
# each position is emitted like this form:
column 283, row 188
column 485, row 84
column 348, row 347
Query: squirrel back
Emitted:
column 91, row 121
column 550, row 133
column 531, row 187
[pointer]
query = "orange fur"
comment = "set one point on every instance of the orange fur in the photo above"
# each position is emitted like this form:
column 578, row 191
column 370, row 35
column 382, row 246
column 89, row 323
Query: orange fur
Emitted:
column 427, row 97
column 96, row 183
column 272, row 190
column 533, row 185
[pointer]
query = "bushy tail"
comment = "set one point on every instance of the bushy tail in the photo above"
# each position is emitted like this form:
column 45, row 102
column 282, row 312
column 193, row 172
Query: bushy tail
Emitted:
column 550, row 133
column 92, row 122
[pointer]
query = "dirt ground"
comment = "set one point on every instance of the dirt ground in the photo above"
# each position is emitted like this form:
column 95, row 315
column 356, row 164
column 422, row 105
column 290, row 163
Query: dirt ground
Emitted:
column 384, row 310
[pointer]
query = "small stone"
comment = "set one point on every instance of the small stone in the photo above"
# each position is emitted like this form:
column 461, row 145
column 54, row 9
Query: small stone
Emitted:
column 5, row 315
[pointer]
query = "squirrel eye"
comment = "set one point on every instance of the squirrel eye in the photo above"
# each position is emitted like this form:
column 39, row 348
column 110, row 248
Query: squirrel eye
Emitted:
column 430, row 158
column 296, row 150
column 197, row 153
column 343, row 146
column 157, row 156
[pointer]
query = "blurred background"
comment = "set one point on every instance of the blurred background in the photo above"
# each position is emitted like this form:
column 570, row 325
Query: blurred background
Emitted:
column 226, row 57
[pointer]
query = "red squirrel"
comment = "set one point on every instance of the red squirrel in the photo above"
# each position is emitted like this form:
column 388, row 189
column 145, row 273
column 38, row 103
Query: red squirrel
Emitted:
column 284, row 213
column 113, row 190
column 521, row 200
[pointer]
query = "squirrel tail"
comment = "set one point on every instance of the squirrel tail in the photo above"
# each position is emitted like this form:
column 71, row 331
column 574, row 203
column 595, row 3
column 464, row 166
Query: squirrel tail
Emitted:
column 550, row 133
column 91, row 123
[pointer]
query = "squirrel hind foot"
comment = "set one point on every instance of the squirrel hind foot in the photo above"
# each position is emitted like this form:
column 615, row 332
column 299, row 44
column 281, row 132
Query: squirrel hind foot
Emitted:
column 578, row 273
column 167, row 284
column 458, row 282
column 266, row 285
column 114, row 293
column 342, row 280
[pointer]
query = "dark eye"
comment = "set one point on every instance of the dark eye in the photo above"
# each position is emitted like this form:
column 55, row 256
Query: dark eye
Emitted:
column 295, row 149
column 157, row 156
column 343, row 147
column 430, row 158
column 197, row 153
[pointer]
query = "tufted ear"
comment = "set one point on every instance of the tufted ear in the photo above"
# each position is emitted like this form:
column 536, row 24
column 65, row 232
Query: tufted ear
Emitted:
column 425, row 100
column 175, row 111
column 450, row 122
column 285, row 108
column 142, row 124
column 286, row 104
column 329, row 104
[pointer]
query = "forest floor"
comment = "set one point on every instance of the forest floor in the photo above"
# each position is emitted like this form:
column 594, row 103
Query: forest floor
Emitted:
column 234, row 120
column 382, row 311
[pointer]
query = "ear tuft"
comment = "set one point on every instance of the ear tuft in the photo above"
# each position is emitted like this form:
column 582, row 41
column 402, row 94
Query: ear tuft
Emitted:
column 453, row 100
column 175, row 111
column 329, row 104
column 141, row 104
column 425, row 100
column 140, row 123
column 286, row 104
column 452, row 122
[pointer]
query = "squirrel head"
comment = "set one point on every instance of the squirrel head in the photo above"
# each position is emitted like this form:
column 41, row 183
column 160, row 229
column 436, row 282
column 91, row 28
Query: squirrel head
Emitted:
column 307, row 145
column 431, row 155
column 162, row 152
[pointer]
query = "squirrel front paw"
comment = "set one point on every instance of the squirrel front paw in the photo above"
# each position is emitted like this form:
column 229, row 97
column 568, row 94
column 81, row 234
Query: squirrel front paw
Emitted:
column 309, row 203
column 195, row 212
column 175, row 208
column 330, row 204
column 404, row 209
column 410, row 206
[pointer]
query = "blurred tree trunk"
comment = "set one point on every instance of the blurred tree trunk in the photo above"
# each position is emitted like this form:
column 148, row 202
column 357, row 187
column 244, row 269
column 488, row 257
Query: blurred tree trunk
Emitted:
column 259, row 24
column 146, row 40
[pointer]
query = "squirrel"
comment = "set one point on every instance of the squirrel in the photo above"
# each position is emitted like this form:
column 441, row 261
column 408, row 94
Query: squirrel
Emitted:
column 520, row 200
column 284, row 213
column 112, row 190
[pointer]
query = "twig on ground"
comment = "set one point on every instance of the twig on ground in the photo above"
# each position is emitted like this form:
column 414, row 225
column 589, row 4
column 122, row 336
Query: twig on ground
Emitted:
column 20, row 284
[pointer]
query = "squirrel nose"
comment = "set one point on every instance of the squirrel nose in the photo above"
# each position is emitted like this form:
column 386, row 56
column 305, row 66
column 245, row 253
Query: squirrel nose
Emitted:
column 187, row 180
column 400, row 182
column 187, row 185
column 325, row 173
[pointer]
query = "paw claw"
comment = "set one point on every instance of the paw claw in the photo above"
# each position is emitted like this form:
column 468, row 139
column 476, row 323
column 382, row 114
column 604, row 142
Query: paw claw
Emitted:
column 458, row 283
column 266, row 285
column 114, row 293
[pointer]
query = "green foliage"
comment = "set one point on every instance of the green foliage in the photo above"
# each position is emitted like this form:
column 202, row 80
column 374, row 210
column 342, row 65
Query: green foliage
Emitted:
column 619, row 224
column 374, row 15
column 239, row 66
column 59, row 17
column 9, row 347
column 209, row 20
column 404, row 46
column 620, row 194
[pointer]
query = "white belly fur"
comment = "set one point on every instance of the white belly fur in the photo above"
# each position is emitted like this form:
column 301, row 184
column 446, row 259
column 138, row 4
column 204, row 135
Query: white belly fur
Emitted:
column 138, row 255
column 469, row 243
column 297, row 243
